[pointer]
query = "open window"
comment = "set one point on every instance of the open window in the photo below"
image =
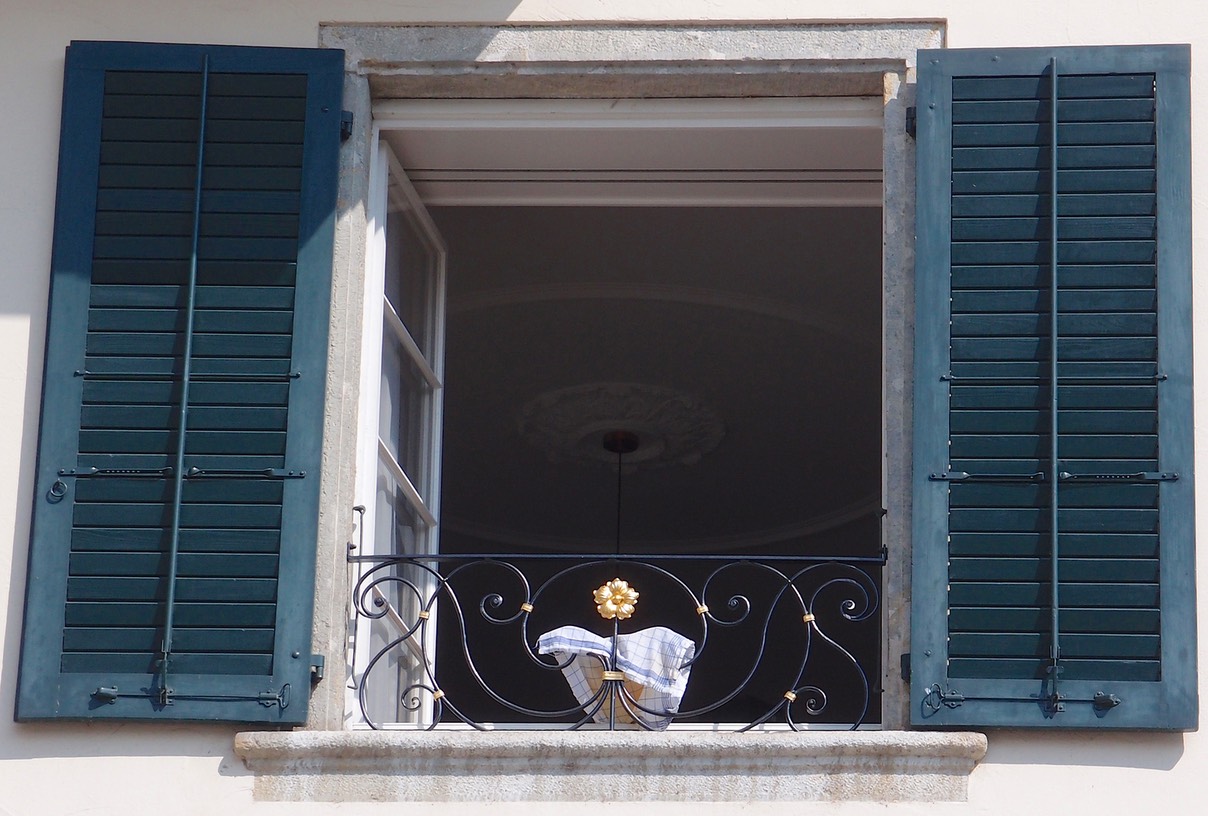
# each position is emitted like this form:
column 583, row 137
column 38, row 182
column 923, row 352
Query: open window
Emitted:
column 705, row 275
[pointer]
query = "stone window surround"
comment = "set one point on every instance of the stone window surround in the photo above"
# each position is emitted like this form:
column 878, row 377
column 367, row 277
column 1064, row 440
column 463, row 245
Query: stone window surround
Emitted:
column 600, row 60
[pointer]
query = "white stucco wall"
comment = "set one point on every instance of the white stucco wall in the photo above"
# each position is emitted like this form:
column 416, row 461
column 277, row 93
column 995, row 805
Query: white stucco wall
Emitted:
column 133, row 769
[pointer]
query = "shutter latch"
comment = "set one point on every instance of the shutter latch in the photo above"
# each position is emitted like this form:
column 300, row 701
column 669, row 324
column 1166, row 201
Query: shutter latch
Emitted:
column 964, row 476
column 254, row 473
column 268, row 699
column 106, row 694
column 938, row 696
column 1146, row 476
column 1103, row 701
column 120, row 473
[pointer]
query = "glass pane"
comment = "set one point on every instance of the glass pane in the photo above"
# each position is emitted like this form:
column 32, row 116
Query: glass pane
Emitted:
column 398, row 529
column 405, row 400
column 410, row 267
column 402, row 591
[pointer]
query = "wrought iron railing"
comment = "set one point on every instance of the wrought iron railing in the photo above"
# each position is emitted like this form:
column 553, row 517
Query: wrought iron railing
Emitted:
column 481, row 639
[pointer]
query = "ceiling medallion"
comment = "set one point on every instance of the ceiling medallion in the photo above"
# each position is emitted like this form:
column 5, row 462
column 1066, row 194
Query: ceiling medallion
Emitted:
column 673, row 428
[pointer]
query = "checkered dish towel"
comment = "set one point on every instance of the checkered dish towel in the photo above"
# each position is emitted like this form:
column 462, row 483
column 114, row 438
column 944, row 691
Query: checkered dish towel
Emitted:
column 651, row 660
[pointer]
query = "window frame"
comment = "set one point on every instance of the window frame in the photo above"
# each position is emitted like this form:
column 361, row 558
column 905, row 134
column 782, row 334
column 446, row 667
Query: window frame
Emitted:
column 392, row 192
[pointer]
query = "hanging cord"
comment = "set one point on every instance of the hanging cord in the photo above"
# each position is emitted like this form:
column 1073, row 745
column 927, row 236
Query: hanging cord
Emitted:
column 620, row 481
column 620, row 442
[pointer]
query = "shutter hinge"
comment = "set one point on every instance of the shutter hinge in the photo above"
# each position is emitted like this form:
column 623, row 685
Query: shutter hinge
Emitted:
column 345, row 125
column 912, row 119
column 905, row 661
column 316, row 668
column 937, row 696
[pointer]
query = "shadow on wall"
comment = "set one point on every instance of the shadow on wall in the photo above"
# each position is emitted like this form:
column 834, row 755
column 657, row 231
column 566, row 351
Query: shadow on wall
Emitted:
column 1118, row 749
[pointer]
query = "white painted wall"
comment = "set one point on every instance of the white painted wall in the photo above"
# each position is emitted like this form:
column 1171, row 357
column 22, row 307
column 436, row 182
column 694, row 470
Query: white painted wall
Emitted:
column 133, row 769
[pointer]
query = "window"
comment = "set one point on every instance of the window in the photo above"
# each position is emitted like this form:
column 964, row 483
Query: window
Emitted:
column 172, row 558
column 714, row 330
column 171, row 573
column 1054, row 541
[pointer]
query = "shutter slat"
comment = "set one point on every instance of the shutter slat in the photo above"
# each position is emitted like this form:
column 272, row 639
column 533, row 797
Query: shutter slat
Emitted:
column 1068, row 133
column 1037, row 325
column 227, row 615
column 252, row 443
column 1098, row 670
column 977, row 253
column 202, row 393
column 1036, row 300
column 1037, row 110
column 1037, row 158
column 997, row 182
column 269, row 85
column 120, row 663
column 1086, row 494
column 199, row 490
column 212, row 224
column 161, row 344
column 208, row 297
column 1025, row 205
column 132, row 639
column 155, row 247
column 1037, row 569
column 190, row 565
column 1070, row 348
column 970, row 645
column 1038, row 87
column 212, row 201
column 200, row 418
column 1107, row 276
column 144, row 539
column 996, row 543
column 1001, row 593
column 114, row 514
column 155, row 589
column 1107, row 520
column 1071, row 229
column 1028, row 619
column 206, row 320
column 1131, row 422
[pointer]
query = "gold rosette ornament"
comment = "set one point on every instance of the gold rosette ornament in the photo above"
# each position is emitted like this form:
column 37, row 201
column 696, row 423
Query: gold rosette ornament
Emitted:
column 616, row 599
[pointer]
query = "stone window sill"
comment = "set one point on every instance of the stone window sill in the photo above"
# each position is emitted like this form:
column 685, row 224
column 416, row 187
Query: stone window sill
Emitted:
column 458, row 766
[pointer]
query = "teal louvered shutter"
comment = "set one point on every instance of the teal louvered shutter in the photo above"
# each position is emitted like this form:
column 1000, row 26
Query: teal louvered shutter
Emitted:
column 1053, row 531
column 171, row 575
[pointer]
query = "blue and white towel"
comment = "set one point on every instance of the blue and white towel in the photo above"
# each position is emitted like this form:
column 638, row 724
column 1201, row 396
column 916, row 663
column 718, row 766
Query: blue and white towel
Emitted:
column 652, row 660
